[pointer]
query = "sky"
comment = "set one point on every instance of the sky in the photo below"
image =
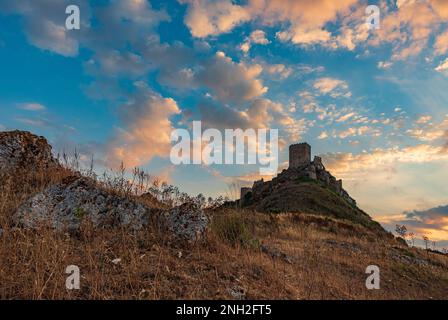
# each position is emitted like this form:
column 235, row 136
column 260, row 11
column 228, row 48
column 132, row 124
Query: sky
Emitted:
column 372, row 102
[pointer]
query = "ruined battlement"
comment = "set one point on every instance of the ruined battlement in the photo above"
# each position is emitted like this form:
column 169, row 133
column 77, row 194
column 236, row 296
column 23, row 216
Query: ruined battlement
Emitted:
column 300, row 167
column 299, row 155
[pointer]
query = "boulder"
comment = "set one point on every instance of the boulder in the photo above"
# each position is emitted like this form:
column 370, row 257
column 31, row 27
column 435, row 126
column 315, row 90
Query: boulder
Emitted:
column 23, row 150
column 67, row 203
column 186, row 222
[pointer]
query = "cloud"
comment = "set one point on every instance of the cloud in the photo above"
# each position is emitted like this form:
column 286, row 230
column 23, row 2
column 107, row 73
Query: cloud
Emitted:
column 423, row 119
column 391, row 180
column 323, row 135
column 443, row 66
column 38, row 122
column 119, row 23
column 441, row 44
column 45, row 24
column 114, row 63
column 384, row 64
column 256, row 37
column 32, row 106
column 424, row 130
column 278, row 69
column 333, row 87
column 231, row 81
column 306, row 18
column 431, row 222
column 146, row 130
column 346, row 117
column 361, row 131
column 410, row 27
column 426, row 135
column 441, row 7
column 347, row 162
column 261, row 113
column 206, row 18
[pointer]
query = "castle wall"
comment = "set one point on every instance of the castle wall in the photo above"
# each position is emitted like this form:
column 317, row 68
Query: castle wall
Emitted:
column 244, row 191
column 299, row 155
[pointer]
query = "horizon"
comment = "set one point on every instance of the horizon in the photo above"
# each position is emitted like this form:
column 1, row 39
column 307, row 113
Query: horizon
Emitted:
column 371, row 102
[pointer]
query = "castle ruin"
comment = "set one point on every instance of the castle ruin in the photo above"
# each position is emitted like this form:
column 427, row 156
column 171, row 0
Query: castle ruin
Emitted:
column 299, row 155
column 301, row 168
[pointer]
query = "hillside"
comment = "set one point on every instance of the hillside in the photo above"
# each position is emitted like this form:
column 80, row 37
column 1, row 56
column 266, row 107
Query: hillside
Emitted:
column 306, row 187
column 313, row 198
column 173, row 251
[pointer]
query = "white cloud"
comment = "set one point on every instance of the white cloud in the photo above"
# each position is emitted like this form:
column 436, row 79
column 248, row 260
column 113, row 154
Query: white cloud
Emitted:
column 323, row 135
column 384, row 64
column 443, row 66
column 332, row 87
column 32, row 106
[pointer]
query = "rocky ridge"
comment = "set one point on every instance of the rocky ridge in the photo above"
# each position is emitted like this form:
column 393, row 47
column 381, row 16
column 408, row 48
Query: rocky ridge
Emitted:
column 24, row 150
column 66, row 204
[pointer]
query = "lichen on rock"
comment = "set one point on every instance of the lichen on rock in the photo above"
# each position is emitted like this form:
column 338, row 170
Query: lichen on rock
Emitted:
column 186, row 222
column 24, row 150
column 67, row 203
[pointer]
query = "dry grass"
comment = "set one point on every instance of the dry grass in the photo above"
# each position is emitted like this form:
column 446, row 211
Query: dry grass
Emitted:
column 329, row 259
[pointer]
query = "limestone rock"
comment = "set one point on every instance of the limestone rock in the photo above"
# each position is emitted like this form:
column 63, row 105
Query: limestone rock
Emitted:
column 186, row 222
column 67, row 203
column 237, row 292
column 23, row 150
column 276, row 254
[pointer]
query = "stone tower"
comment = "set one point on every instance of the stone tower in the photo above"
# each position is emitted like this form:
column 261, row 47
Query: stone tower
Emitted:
column 299, row 155
column 244, row 191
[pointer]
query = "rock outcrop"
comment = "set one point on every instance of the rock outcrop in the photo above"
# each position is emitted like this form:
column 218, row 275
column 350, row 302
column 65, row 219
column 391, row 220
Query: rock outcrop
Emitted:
column 67, row 204
column 187, row 222
column 64, row 205
column 24, row 150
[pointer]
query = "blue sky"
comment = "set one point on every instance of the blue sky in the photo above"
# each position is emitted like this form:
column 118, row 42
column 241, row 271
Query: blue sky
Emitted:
column 373, row 103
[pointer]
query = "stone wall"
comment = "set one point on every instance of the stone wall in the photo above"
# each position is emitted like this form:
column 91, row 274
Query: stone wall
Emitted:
column 244, row 191
column 299, row 155
column 300, row 167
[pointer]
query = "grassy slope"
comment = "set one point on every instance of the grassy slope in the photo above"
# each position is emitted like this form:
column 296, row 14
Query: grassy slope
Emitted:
column 329, row 259
column 314, row 198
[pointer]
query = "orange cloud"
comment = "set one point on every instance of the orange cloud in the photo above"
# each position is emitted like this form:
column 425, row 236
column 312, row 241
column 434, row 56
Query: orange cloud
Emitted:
column 441, row 44
column 333, row 87
column 307, row 18
column 146, row 132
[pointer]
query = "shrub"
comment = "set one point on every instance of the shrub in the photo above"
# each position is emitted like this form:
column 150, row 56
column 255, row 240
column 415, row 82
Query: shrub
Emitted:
column 231, row 228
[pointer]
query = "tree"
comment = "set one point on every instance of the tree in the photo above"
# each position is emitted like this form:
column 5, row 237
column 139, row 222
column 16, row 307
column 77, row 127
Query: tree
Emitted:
column 426, row 241
column 411, row 236
column 401, row 230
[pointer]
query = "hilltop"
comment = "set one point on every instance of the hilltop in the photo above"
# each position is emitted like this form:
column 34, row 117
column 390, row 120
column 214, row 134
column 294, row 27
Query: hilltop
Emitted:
column 305, row 187
column 157, row 244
